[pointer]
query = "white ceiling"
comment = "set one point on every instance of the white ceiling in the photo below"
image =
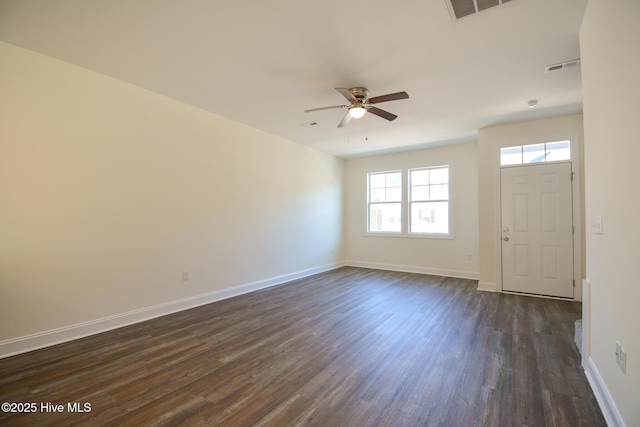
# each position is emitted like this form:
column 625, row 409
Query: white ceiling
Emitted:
column 264, row 62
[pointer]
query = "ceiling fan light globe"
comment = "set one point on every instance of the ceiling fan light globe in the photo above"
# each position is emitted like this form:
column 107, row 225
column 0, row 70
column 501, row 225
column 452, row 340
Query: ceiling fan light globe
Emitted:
column 357, row 111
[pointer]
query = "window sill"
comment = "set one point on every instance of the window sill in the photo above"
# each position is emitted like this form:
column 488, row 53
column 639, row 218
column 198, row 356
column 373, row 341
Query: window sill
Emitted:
column 411, row 235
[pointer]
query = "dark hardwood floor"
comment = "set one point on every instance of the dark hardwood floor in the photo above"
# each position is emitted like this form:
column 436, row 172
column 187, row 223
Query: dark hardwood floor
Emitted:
column 350, row 347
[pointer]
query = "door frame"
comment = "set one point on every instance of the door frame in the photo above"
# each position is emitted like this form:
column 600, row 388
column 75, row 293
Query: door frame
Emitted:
column 577, row 204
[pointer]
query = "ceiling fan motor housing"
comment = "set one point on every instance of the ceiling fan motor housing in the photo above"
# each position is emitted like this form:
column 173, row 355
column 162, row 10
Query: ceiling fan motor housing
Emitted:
column 360, row 93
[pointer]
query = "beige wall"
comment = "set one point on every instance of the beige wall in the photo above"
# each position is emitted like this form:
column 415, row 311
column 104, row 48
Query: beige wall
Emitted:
column 108, row 192
column 610, row 51
column 490, row 140
column 427, row 255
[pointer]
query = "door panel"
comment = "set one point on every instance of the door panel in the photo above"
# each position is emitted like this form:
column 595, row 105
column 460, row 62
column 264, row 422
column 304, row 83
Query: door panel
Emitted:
column 522, row 260
column 537, row 229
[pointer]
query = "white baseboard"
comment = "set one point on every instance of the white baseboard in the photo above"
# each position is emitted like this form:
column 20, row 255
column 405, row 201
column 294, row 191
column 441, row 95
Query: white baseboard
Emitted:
column 586, row 323
column 487, row 286
column 414, row 269
column 607, row 405
column 51, row 337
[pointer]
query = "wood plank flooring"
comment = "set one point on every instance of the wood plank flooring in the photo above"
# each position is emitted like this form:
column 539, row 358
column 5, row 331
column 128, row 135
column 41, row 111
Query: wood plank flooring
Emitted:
column 350, row 347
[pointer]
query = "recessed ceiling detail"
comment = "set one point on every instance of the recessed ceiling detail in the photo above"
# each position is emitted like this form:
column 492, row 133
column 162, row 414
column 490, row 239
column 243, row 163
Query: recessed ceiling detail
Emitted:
column 461, row 8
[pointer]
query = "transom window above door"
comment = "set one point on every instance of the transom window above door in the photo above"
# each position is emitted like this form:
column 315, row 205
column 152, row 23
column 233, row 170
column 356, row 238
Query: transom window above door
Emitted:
column 535, row 153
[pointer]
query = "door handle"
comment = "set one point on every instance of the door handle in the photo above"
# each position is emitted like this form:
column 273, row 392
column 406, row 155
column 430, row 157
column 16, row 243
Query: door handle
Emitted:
column 506, row 239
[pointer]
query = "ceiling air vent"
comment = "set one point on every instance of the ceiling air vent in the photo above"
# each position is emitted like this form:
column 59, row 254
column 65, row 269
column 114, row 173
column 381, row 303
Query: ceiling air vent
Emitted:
column 562, row 66
column 461, row 8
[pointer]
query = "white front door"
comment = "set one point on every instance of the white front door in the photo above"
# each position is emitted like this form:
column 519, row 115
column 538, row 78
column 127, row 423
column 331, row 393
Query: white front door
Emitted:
column 537, row 229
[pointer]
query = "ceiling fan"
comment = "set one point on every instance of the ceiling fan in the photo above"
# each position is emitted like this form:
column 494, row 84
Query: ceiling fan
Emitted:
column 360, row 104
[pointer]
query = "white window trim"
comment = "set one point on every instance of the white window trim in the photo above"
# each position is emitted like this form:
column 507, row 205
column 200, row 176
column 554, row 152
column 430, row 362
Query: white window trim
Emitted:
column 404, row 229
column 368, row 207
column 409, row 203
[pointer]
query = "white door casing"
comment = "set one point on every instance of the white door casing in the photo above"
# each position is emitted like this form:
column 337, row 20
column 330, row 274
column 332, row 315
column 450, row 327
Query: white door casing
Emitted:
column 537, row 229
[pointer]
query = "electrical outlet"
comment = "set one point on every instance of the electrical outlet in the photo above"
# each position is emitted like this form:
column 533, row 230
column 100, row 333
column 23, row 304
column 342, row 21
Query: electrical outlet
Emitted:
column 185, row 276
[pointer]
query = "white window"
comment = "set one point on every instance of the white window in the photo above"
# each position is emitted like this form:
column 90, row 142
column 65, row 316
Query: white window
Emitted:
column 429, row 200
column 426, row 211
column 385, row 202
column 535, row 153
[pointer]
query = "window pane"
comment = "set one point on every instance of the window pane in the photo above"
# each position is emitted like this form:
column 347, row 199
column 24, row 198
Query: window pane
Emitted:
column 377, row 180
column 420, row 177
column 558, row 151
column 511, row 156
column 385, row 217
column 377, row 195
column 394, row 179
column 420, row 192
column 533, row 153
column 394, row 194
column 385, row 187
column 440, row 192
column 430, row 217
column 439, row 176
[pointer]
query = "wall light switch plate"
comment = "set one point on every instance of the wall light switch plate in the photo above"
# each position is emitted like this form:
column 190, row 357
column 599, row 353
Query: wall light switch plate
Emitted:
column 596, row 224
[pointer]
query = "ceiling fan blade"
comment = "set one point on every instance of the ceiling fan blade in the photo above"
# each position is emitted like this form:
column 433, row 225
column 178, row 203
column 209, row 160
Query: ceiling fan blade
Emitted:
column 345, row 120
column 345, row 92
column 389, row 97
column 325, row 108
column 381, row 113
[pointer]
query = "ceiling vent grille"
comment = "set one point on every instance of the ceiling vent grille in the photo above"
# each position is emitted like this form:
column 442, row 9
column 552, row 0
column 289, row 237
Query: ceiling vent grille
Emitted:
column 461, row 8
column 562, row 66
